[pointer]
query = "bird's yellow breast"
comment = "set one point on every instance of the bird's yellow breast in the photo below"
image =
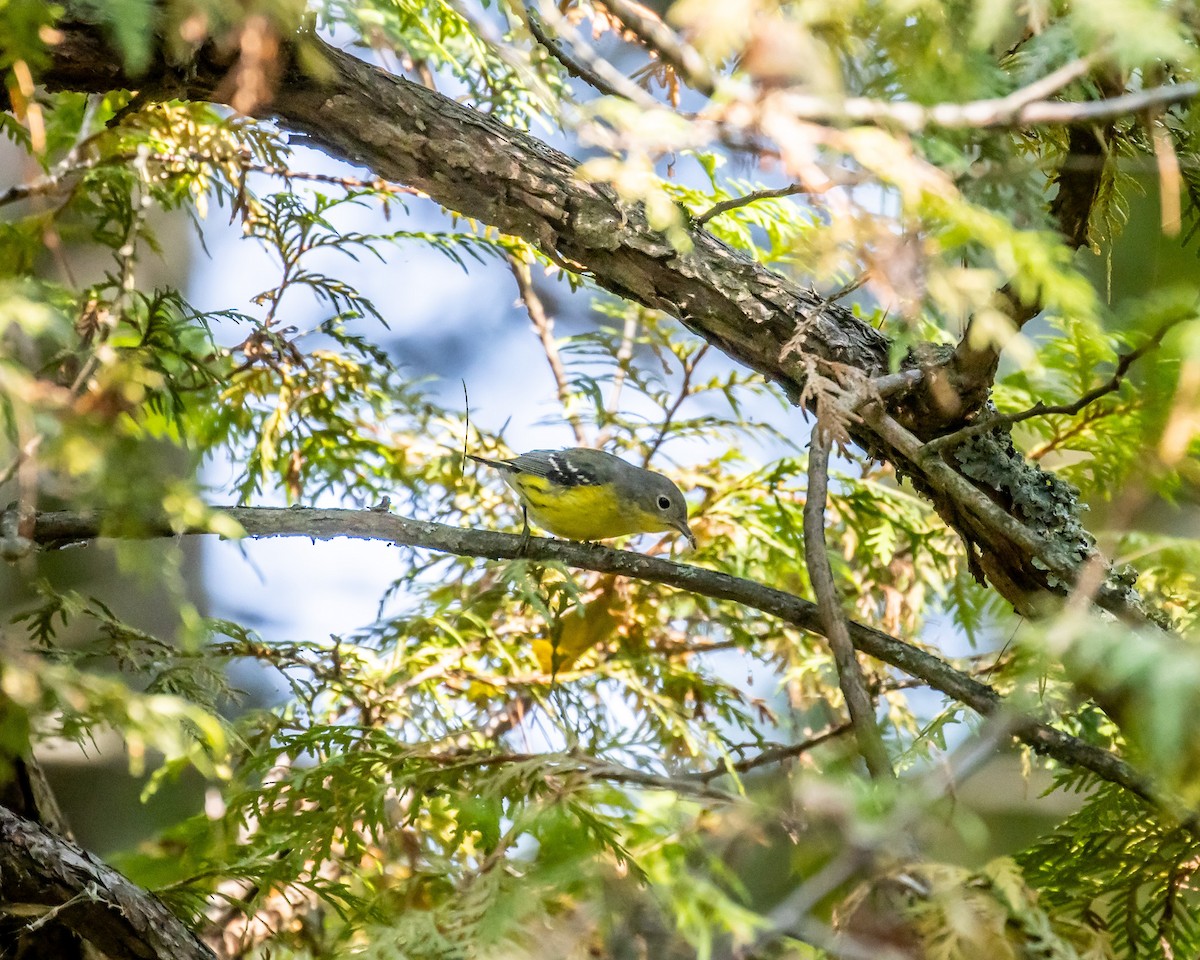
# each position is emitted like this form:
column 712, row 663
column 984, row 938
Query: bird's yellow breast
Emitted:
column 584, row 512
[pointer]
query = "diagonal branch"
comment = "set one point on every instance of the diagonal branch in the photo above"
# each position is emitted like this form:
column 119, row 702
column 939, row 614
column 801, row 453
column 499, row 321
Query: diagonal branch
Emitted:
column 583, row 62
column 833, row 618
column 572, row 64
column 995, row 525
column 770, row 756
column 59, row 528
column 44, row 874
column 474, row 165
column 543, row 325
column 733, row 203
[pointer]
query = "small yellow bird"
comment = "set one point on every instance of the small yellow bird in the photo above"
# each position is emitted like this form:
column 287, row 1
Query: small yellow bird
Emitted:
column 586, row 494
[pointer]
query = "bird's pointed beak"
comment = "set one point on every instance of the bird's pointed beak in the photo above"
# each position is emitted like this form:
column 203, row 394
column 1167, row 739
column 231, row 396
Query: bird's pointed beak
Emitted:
column 683, row 528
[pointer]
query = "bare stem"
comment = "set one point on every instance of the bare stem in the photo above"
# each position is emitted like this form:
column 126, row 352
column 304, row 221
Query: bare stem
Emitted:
column 685, row 391
column 58, row 178
column 28, row 449
column 613, row 81
column 574, row 65
column 543, row 325
column 734, row 202
column 820, row 574
column 772, row 755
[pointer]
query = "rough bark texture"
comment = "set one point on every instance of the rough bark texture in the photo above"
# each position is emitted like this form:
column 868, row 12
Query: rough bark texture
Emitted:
column 26, row 794
column 482, row 169
column 41, row 872
column 476, row 166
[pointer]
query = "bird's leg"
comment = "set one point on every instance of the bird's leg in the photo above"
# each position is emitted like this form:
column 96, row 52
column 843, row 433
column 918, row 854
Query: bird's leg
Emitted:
column 524, row 532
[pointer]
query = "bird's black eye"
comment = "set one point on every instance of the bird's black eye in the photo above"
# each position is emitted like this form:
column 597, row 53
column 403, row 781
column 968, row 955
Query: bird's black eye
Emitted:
column 664, row 503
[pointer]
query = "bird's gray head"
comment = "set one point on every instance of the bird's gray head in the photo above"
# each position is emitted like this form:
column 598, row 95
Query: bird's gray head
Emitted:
column 660, row 498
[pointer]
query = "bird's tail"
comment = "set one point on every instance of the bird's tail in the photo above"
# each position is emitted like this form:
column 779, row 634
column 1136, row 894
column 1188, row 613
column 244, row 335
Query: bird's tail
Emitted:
column 498, row 464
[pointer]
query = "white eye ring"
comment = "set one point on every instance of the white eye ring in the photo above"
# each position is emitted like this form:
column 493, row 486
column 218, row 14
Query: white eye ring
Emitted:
column 664, row 503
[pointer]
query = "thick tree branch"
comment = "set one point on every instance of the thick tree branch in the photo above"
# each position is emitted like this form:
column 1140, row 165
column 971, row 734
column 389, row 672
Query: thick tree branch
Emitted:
column 41, row 872
column 60, row 528
column 474, row 165
column 27, row 794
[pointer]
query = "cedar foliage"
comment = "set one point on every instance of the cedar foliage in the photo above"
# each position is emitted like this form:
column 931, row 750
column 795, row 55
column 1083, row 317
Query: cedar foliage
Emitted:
column 534, row 759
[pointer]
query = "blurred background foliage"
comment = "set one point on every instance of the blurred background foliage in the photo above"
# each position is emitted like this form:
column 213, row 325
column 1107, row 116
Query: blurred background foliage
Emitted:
column 524, row 759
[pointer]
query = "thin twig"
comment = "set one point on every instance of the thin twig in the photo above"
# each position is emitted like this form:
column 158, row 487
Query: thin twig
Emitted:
column 1075, row 429
column 92, row 893
column 771, row 756
column 573, row 66
column 28, row 449
column 685, row 391
column 576, row 763
column 1039, row 409
column 734, row 202
column 49, row 183
column 605, row 71
column 350, row 183
column 624, row 355
column 820, row 574
column 52, row 182
column 543, row 325
column 54, row 529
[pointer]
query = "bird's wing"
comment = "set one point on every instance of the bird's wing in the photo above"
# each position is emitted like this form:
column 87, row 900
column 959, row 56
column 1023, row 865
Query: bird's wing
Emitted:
column 558, row 467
